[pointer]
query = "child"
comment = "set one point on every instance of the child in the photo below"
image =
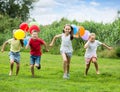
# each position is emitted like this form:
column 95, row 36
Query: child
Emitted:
column 35, row 51
column 66, row 48
column 90, row 54
column 15, row 46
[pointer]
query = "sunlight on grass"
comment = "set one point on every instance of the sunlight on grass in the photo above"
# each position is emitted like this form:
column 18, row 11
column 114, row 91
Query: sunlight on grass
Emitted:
column 49, row 78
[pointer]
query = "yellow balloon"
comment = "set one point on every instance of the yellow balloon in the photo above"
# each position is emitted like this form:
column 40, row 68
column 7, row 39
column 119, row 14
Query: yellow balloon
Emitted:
column 19, row 34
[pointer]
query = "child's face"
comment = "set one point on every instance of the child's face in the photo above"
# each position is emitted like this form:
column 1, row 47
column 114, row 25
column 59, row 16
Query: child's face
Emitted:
column 67, row 29
column 92, row 38
column 34, row 35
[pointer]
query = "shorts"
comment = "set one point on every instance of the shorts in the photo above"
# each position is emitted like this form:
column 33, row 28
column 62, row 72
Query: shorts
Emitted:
column 88, row 60
column 14, row 56
column 35, row 60
column 69, row 54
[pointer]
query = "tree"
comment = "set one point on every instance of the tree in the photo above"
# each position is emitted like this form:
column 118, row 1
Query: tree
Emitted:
column 16, row 8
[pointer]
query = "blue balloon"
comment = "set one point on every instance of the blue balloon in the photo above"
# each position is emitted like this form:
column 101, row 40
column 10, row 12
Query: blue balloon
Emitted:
column 75, row 29
column 25, row 41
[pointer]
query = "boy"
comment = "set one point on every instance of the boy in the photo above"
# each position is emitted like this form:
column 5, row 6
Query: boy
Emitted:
column 35, row 51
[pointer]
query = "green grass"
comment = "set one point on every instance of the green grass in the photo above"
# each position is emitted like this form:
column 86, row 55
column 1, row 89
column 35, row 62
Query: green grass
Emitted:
column 49, row 78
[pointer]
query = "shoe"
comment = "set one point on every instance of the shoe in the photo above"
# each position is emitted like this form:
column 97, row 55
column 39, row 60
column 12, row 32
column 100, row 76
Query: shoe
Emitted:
column 65, row 76
column 38, row 67
column 68, row 75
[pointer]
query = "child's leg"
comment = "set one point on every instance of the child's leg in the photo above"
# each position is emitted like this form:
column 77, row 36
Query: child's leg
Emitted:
column 87, row 68
column 68, row 64
column 17, row 68
column 88, row 62
column 96, row 64
column 32, row 69
column 64, row 63
column 37, row 62
column 11, row 67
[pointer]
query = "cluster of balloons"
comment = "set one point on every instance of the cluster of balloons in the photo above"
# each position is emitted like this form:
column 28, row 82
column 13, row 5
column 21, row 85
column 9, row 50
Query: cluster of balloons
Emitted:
column 80, row 30
column 23, row 29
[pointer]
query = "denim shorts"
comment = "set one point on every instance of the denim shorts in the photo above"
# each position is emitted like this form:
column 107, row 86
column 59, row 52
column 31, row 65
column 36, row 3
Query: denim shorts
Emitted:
column 35, row 60
column 14, row 56
column 69, row 54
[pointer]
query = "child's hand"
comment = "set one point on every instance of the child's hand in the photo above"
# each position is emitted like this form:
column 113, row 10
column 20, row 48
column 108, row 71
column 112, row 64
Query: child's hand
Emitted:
column 110, row 48
column 46, row 50
column 50, row 44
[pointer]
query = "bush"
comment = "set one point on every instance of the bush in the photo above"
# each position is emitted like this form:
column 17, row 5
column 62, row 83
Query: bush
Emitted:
column 118, row 51
column 107, row 53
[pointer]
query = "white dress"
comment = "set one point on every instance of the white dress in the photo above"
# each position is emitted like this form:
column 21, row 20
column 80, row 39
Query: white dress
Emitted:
column 92, row 48
column 66, row 45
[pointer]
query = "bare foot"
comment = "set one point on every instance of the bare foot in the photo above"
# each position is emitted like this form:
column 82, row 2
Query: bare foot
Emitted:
column 10, row 73
column 97, row 72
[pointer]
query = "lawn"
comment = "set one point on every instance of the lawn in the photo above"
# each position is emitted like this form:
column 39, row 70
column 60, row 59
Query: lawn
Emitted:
column 49, row 78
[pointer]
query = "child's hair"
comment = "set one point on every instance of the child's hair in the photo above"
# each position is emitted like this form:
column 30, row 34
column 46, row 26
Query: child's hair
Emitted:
column 35, row 31
column 21, row 42
column 92, row 34
column 71, row 32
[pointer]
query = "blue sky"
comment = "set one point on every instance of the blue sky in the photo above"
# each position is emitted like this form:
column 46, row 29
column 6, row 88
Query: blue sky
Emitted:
column 47, row 11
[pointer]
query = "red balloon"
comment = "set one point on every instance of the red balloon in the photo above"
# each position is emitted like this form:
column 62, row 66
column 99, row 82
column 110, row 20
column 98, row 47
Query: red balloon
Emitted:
column 34, row 27
column 24, row 27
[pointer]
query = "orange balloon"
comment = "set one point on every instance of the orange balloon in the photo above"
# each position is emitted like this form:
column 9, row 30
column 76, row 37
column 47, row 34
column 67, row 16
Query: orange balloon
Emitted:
column 81, row 31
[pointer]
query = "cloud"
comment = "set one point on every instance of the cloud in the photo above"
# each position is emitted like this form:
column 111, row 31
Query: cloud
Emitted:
column 47, row 11
column 93, row 3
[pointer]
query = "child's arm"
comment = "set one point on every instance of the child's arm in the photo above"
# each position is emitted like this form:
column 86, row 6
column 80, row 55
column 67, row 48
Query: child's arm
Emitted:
column 106, row 46
column 87, row 44
column 27, row 46
column 53, row 40
column 45, row 45
column 3, row 47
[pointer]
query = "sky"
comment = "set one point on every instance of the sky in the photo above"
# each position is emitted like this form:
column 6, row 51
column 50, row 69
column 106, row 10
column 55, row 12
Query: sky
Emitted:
column 47, row 11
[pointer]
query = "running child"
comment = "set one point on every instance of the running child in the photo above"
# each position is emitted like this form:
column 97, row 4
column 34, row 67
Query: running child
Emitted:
column 14, row 54
column 90, row 54
column 35, row 44
column 66, row 48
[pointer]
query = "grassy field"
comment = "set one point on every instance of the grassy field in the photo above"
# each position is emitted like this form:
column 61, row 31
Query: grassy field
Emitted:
column 49, row 78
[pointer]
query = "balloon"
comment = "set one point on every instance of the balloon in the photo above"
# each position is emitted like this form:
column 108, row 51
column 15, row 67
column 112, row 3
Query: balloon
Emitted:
column 86, row 35
column 19, row 34
column 75, row 29
column 81, row 31
column 34, row 27
column 24, row 27
column 34, row 23
column 25, row 41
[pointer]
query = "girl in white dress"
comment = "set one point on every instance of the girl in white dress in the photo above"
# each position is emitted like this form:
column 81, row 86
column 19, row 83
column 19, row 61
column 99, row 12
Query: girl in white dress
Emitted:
column 66, row 48
column 90, row 54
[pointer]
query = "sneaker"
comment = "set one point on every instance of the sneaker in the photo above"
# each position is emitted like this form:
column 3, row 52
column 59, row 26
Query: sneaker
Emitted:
column 38, row 67
column 68, row 75
column 65, row 76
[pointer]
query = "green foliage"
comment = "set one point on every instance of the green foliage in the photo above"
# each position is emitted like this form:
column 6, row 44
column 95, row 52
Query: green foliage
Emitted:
column 7, row 25
column 16, row 8
column 106, row 33
column 118, row 51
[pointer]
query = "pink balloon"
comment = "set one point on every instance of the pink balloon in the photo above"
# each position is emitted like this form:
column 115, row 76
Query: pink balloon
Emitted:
column 86, row 35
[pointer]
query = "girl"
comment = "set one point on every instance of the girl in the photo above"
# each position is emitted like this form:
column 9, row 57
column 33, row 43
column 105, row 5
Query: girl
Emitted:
column 15, row 46
column 90, row 54
column 66, row 48
column 35, row 50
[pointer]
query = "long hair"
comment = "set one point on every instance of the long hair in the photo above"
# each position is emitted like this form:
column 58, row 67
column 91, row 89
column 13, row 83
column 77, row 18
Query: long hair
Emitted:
column 71, row 32
column 21, row 42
